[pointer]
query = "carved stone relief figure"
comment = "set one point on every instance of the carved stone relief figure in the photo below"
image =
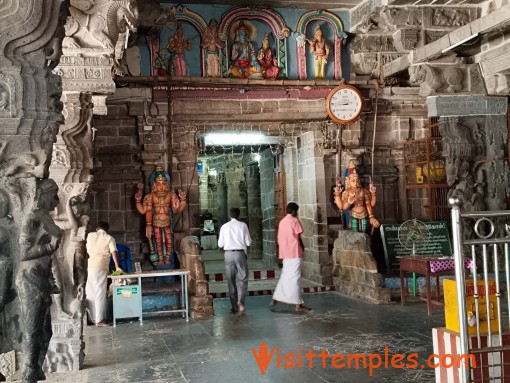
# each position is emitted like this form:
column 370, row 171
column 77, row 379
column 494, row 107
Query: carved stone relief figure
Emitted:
column 4, row 97
column 450, row 17
column 101, row 25
column 69, row 263
column 97, row 24
column 39, row 238
column 436, row 79
column 398, row 17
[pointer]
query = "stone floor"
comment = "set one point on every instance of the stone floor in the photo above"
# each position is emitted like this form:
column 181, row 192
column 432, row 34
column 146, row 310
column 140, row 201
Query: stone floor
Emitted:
column 219, row 349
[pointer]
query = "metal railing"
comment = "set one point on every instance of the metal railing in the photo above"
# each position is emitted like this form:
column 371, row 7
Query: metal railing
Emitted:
column 488, row 248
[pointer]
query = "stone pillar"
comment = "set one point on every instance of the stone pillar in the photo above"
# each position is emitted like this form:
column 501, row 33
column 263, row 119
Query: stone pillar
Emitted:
column 222, row 199
column 203, row 188
column 86, row 69
column 312, row 210
column 267, row 206
column 30, row 114
column 254, row 210
column 234, row 176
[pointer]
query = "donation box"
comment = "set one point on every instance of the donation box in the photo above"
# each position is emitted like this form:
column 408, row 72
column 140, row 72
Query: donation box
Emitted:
column 127, row 301
column 452, row 312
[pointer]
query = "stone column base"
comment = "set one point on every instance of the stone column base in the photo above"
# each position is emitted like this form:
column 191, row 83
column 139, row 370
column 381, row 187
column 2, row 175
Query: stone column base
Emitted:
column 355, row 269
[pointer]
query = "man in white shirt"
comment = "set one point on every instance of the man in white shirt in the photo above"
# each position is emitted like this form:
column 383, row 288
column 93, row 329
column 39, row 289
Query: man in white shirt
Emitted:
column 235, row 239
column 99, row 247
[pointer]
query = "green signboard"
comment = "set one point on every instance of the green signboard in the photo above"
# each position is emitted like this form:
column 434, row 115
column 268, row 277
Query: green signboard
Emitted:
column 437, row 243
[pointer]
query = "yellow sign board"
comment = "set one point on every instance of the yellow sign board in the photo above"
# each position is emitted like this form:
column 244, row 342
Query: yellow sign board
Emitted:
column 451, row 309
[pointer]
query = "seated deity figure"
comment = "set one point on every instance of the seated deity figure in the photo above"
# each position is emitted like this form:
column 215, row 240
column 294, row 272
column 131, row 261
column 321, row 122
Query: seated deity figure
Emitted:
column 357, row 202
column 158, row 206
column 244, row 54
column 212, row 44
column 320, row 49
column 267, row 60
column 177, row 44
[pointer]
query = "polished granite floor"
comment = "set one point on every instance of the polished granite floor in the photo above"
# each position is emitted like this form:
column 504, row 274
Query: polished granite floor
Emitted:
column 219, row 349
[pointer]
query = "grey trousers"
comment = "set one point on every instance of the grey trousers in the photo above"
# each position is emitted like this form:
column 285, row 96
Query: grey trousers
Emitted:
column 236, row 265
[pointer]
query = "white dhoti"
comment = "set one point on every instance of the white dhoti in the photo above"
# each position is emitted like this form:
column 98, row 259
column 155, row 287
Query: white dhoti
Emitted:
column 96, row 294
column 288, row 289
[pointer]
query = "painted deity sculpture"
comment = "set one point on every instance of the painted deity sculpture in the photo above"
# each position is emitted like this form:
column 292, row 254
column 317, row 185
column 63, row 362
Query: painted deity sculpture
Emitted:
column 39, row 238
column 158, row 206
column 267, row 60
column 178, row 44
column 244, row 54
column 357, row 202
column 212, row 44
column 320, row 49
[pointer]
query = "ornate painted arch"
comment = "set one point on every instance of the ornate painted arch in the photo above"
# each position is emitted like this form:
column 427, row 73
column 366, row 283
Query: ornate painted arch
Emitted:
column 183, row 14
column 270, row 17
column 338, row 28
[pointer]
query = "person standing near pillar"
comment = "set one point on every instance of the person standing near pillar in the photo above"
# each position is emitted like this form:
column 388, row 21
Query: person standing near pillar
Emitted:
column 99, row 247
column 235, row 239
column 288, row 289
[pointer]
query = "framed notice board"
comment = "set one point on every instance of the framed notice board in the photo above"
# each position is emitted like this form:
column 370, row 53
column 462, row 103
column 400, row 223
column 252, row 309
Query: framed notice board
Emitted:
column 438, row 245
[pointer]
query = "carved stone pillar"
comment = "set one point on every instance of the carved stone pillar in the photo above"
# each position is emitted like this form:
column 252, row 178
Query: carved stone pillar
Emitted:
column 222, row 200
column 475, row 149
column 30, row 113
column 203, row 188
column 254, row 210
column 71, row 166
column 234, row 176
column 93, row 45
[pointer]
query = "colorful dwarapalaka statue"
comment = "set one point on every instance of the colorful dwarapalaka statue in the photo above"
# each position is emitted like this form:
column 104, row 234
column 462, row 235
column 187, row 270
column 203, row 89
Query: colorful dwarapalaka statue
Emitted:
column 177, row 44
column 158, row 208
column 357, row 202
column 320, row 49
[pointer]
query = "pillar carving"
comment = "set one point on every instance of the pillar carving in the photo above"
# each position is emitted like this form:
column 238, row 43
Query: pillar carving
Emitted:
column 93, row 45
column 475, row 150
column 30, row 114
column 254, row 210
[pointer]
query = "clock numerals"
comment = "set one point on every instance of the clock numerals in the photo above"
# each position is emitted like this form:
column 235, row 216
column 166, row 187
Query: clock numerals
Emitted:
column 345, row 104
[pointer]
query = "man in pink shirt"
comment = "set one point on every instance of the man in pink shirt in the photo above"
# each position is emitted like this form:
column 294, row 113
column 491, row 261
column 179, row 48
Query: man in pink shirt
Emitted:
column 291, row 251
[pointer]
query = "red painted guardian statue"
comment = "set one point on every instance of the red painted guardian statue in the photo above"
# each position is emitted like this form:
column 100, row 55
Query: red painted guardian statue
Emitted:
column 158, row 208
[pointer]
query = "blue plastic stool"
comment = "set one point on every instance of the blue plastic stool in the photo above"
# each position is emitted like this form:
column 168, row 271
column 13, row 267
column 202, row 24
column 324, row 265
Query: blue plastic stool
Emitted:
column 124, row 258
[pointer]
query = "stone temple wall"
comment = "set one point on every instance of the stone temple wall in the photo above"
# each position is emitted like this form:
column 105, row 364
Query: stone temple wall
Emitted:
column 116, row 173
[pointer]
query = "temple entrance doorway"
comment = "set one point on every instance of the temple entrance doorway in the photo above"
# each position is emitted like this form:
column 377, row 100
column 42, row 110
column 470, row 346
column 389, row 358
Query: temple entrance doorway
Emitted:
column 242, row 170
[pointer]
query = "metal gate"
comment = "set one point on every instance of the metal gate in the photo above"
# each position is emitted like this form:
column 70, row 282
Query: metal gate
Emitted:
column 490, row 274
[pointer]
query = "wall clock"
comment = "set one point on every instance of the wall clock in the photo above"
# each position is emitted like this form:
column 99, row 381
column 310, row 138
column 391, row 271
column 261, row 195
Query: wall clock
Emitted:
column 344, row 104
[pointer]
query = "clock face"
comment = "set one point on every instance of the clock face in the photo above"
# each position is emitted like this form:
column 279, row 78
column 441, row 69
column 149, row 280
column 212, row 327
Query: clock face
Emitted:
column 344, row 104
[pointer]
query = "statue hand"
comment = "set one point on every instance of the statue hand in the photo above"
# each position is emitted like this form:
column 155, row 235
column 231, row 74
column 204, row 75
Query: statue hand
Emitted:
column 374, row 222
column 351, row 199
column 148, row 231
column 139, row 192
column 338, row 189
column 182, row 194
column 372, row 189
